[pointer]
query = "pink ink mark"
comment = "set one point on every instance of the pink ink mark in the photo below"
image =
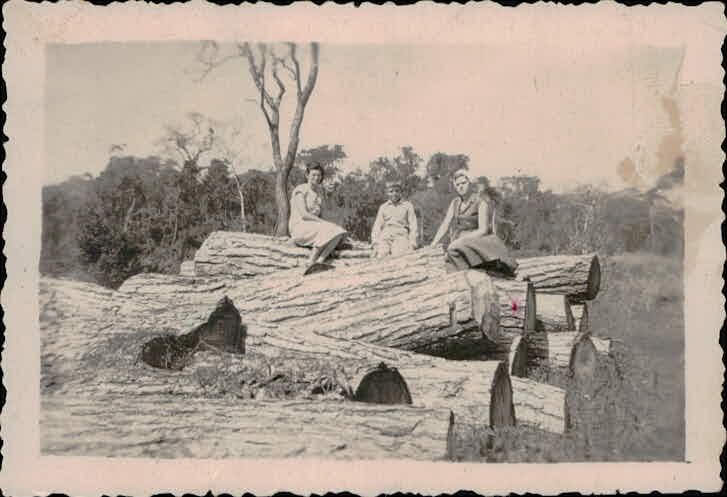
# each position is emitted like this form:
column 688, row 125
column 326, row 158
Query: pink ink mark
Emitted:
column 514, row 306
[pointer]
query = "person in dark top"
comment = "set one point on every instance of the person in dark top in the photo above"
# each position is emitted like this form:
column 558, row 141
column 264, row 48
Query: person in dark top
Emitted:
column 469, row 222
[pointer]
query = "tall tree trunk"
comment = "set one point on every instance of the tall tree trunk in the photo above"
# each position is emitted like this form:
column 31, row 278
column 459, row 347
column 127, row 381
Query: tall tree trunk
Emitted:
column 282, row 201
column 242, row 202
column 129, row 213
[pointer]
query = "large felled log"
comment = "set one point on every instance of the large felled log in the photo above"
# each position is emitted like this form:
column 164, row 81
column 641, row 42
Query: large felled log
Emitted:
column 152, row 426
column 437, row 317
column 578, row 276
column 476, row 391
column 244, row 255
column 570, row 350
column 286, row 295
column 517, row 304
column 405, row 302
column 248, row 254
column 554, row 313
column 539, row 405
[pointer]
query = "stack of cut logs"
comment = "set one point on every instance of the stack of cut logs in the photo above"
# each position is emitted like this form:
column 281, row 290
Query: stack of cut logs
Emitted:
column 450, row 348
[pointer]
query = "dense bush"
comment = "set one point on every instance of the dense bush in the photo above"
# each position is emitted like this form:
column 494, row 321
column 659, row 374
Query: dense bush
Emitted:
column 149, row 214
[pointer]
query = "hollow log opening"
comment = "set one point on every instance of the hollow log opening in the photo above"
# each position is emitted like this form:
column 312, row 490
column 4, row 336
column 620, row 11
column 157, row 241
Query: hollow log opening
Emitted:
column 502, row 410
column 169, row 351
column 383, row 385
column 223, row 331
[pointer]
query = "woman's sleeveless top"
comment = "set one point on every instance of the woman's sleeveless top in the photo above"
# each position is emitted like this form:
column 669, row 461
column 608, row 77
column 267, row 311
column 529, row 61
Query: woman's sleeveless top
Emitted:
column 465, row 220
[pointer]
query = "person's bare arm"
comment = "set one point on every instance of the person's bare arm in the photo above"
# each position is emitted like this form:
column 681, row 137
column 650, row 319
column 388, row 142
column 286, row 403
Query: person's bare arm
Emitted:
column 298, row 204
column 444, row 227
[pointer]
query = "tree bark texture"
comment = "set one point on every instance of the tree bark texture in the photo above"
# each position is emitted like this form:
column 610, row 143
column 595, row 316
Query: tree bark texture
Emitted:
column 554, row 313
column 403, row 302
column 578, row 276
column 245, row 255
column 539, row 405
column 151, row 426
column 102, row 358
column 571, row 350
column 186, row 268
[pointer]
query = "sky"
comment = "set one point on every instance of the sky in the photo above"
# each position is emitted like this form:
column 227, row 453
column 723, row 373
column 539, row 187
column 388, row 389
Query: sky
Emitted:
column 566, row 113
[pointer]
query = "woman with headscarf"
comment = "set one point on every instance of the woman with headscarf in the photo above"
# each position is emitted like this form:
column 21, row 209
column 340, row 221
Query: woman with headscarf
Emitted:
column 469, row 222
column 306, row 227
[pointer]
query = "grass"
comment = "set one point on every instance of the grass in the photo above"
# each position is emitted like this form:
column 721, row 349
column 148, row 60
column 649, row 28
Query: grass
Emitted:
column 637, row 407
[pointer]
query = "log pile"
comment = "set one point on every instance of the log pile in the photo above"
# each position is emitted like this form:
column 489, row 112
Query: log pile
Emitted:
column 478, row 392
column 409, row 302
column 151, row 426
column 246, row 255
column 438, row 349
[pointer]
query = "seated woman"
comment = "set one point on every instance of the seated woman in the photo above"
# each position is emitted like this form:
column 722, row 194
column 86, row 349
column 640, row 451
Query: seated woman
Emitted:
column 470, row 224
column 307, row 229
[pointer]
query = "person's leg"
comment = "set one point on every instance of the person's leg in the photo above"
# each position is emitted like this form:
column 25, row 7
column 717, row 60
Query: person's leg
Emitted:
column 328, row 248
column 455, row 255
column 312, row 258
column 383, row 248
column 400, row 245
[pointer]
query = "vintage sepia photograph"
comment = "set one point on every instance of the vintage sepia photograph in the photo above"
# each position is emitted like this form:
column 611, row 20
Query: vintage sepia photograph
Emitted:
column 308, row 248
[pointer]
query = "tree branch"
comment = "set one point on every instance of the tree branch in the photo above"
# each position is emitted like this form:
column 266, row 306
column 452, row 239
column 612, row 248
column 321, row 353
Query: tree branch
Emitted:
column 258, row 72
column 296, row 64
column 281, row 86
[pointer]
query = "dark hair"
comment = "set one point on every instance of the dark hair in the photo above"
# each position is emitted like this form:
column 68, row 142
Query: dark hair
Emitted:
column 313, row 166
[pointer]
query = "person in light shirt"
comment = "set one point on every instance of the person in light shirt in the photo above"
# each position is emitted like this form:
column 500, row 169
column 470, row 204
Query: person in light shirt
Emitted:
column 395, row 229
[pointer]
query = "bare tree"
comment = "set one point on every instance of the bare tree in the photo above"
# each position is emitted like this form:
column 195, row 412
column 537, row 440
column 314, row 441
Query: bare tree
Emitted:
column 231, row 154
column 189, row 144
column 268, row 69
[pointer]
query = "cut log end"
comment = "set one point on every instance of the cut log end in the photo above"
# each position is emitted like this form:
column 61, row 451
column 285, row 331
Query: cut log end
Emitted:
column 584, row 324
column 531, row 311
column 502, row 410
column 383, row 385
column 518, row 357
column 583, row 359
column 594, row 279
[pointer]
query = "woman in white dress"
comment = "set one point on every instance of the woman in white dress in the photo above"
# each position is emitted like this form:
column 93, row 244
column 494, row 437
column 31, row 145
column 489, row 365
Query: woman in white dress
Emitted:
column 307, row 229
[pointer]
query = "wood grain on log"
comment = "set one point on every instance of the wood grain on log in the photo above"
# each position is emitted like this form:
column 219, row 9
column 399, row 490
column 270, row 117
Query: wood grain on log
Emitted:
column 478, row 391
column 539, row 405
column 244, row 255
column 186, row 268
column 578, row 276
column 151, row 426
column 405, row 302
column 554, row 313
column 229, row 253
column 570, row 350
